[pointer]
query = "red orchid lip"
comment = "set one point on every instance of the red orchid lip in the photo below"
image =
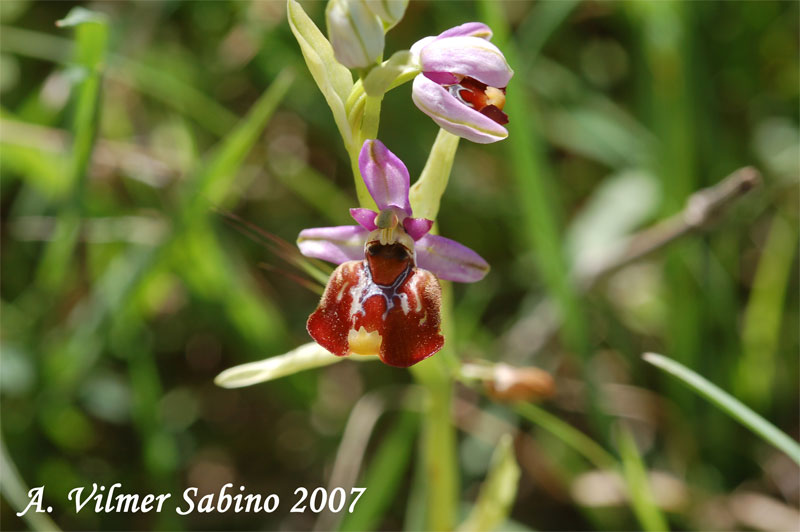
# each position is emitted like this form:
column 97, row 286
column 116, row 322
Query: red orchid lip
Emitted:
column 400, row 322
column 487, row 100
column 452, row 115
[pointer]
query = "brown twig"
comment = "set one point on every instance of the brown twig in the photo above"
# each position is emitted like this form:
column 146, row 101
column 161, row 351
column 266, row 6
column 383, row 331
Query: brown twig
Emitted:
column 533, row 330
column 702, row 208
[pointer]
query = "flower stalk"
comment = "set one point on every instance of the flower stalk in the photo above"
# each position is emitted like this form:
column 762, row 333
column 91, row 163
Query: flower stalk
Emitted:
column 439, row 442
column 435, row 374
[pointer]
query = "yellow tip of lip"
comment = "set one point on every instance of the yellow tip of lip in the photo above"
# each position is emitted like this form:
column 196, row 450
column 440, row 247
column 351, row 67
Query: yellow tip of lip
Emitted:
column 495, row 97
column 362, row 342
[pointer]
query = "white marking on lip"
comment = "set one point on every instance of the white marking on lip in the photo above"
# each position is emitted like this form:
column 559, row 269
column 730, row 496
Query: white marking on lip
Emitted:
column 412, row 287
column 356, row 302
column 340, row 294
column 404, row 303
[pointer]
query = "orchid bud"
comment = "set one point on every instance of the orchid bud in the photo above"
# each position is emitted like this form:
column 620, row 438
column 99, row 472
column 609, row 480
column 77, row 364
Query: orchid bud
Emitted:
column 389, row 11
column 355, row 31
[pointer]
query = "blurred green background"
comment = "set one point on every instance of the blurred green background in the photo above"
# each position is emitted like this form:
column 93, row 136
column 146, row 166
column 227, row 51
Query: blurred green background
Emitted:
column 124, row 291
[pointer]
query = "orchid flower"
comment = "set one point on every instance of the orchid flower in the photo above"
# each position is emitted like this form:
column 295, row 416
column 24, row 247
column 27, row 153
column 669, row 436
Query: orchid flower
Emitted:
column 384, row 297
column 463, row 82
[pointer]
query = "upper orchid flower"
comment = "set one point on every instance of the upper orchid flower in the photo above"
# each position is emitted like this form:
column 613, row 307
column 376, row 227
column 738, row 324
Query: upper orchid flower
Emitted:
column 463, row 82
column 384, row 297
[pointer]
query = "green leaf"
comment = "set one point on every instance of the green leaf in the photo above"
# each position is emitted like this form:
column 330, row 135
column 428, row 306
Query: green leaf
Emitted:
column 307, row 356
column 732, row 406
column 127, row 275
column 544, row 19
column 498, row 491
column 395, row 71
column 332, row 78
column 162, row 84
column 39, row 169
column 638, row 483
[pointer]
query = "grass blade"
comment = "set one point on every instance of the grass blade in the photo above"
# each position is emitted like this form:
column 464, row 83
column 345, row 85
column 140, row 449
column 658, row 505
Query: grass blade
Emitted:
column 15, row 492
column 572, row 437
column 538, row 201
column 498, row 491
column 157, row 83
column 384, row 475
column 91, row 38
column 732, row 406
column 215, row 175
column 763, row 316
column 636, row 479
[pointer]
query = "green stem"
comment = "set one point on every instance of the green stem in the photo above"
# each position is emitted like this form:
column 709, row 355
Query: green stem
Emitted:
column 364, row 114
column 438, row 432
column 371, row 120
column 441, row 463
column 364, row 199
column 434, row 374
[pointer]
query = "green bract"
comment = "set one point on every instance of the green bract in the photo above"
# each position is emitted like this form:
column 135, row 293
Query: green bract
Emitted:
column 398, row 69
column 332, row 78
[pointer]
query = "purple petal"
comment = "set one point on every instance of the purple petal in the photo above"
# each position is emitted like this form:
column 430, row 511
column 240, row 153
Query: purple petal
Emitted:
column 417, row 47
column 449, row 260
column 385, row 175
column 442, row 78
column 417, row 227
column 468, row 29
column 333, row 244
column 452, row 115
column 365, row 218
column 467, row 56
